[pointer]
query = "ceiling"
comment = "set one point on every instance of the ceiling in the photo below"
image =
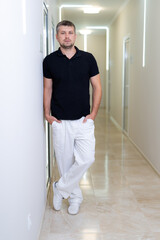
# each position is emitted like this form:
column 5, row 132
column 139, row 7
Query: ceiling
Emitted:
column 109, row 10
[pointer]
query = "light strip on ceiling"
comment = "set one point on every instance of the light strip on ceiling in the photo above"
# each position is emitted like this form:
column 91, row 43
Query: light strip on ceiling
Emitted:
column 107, row 42
column 91, row 10
column 85, row 31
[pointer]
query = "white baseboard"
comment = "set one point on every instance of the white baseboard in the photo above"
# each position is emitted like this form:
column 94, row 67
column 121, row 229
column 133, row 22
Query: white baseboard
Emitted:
column 115, row 123
column 42, row 217
column 146, row 158
column 139, row 150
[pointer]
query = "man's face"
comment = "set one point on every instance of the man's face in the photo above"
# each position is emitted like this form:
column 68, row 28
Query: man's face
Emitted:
column 66, row 37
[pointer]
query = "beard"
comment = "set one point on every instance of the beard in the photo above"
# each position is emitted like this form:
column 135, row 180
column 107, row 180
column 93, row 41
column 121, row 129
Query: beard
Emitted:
column 67, row 46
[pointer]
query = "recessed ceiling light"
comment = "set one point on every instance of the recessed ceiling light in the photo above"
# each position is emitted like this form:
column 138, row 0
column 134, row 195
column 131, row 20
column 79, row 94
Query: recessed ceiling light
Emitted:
column 85, row 31
column 91, row 10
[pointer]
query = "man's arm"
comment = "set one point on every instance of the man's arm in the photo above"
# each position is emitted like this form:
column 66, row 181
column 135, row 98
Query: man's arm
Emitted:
column 96, row 96
column 47, row 94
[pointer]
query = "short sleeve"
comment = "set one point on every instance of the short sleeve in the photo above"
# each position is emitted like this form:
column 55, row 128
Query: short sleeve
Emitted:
column 93, row 66
column 46, row 70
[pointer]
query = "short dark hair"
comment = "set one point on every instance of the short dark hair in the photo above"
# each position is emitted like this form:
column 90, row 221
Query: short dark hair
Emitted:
column 65, row 23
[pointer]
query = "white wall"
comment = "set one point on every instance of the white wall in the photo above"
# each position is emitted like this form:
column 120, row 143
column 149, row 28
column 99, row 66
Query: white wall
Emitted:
column 22, row 140
column 144, row 97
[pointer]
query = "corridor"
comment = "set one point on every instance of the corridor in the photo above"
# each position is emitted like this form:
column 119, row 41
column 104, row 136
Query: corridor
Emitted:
column 121, row 190
column 121, row 194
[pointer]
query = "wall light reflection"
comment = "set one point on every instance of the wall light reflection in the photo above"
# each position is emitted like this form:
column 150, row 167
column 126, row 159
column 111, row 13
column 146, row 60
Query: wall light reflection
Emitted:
column 144, row 34
column 24, row 16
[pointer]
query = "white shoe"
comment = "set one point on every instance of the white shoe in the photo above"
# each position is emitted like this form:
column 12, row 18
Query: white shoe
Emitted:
column 57, row 198
column 73, row 208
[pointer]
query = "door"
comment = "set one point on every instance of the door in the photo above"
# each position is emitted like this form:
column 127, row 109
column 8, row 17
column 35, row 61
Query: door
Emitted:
column 47, row 127
column 126, row 71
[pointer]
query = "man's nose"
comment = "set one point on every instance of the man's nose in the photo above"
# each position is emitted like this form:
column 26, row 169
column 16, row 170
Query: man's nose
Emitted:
column 66, row 35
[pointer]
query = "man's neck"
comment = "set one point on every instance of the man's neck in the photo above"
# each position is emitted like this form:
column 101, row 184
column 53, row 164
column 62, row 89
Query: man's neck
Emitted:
column 68, row 52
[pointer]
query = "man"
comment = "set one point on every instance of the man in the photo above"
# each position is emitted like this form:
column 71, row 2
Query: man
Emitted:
column 67, row 75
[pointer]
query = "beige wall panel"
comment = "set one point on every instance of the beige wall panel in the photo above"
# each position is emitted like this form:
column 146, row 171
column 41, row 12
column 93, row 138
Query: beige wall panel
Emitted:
column 96, row 44
column 144, row 97
column 80, row 41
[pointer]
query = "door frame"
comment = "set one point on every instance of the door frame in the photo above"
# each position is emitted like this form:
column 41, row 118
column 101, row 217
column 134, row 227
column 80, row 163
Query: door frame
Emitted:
column 47, row 126
column 125, row 39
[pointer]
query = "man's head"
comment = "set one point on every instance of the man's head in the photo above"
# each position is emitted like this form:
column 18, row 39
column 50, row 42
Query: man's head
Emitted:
column 65, row 23
column 66, row 34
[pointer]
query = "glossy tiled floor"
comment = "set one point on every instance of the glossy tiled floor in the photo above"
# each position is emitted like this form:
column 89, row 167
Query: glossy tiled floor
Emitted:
column 121, row 195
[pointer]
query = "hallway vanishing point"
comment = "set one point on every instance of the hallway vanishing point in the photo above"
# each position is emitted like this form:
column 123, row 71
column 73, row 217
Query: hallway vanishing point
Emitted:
column 121, row 194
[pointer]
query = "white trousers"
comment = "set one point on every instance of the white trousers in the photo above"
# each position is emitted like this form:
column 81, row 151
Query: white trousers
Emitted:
column 74, row 146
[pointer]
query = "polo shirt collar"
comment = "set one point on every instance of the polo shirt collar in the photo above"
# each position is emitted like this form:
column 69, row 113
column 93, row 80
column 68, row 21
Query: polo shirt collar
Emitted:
column 77, row 54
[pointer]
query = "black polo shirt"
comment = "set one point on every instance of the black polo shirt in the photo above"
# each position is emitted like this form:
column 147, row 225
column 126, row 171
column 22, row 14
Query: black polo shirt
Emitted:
column 70, row 88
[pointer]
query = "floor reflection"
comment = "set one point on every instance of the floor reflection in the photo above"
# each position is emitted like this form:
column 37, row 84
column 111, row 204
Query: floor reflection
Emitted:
column 121, row 195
